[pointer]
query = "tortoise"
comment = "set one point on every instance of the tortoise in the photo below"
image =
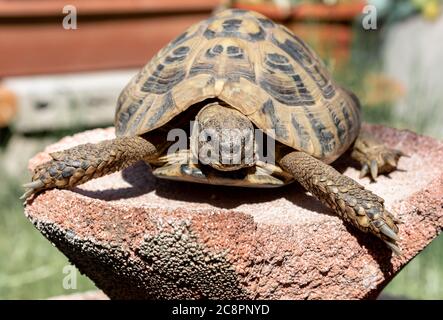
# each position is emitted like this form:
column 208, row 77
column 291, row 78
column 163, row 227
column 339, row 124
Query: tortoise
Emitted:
column 222, row 81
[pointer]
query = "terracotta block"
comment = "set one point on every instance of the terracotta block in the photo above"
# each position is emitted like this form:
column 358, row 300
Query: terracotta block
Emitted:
column 139, row 237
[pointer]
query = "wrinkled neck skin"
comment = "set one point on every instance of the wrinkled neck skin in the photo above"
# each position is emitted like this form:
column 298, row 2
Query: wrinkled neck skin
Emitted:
column 223, row 138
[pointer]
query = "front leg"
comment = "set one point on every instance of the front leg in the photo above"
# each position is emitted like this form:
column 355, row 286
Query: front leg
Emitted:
column 350, row 200
column 71, row 167
column 374, row 156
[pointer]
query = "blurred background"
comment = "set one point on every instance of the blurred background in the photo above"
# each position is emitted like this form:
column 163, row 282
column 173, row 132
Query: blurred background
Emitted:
column 62, row 67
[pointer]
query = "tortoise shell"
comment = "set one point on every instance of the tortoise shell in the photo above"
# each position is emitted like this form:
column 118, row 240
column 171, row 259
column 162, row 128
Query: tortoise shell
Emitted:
column 256, row 66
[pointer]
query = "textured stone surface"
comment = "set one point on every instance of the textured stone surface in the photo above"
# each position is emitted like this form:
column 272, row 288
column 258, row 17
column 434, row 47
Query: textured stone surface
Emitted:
column 139, row 237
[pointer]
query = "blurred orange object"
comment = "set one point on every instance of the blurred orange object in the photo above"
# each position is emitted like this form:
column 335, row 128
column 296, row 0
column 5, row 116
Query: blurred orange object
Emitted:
column 380, row 89
column 8, row 106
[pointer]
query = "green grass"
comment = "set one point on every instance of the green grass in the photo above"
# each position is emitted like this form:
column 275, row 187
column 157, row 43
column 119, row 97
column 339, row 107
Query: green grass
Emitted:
column 422, row 278
column 30, row 266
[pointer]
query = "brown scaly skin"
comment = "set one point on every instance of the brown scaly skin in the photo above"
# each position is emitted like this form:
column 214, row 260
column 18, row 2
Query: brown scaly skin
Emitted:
column 346, row 197
column 89, row 161
column 374, row 156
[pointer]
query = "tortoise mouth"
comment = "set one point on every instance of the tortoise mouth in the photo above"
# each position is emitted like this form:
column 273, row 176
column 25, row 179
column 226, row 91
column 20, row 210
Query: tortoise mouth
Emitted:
column 230, row 166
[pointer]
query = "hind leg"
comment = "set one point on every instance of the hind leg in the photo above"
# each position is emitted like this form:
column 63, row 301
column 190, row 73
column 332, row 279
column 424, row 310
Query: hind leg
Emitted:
column 374, row 156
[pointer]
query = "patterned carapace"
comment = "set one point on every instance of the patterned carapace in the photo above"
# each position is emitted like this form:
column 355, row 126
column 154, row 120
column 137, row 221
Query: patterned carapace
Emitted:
column 258, row 67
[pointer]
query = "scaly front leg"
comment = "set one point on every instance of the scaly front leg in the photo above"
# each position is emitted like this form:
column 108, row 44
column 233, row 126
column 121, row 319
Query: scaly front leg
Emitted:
column 88, row 161
column 350, row 200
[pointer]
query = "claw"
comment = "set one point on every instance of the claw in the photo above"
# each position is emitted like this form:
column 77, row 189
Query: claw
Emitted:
column 192, row 171
column 391, row 161
column 364, row 171
column 388, row 232
column 374, row 169
column 27, row 194
column 402, row 154
column 393, row 247
column 34, row 184
column 31, row 187
column 396, row 220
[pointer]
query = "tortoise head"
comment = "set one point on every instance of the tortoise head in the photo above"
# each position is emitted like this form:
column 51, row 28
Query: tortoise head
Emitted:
column 223, row 138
